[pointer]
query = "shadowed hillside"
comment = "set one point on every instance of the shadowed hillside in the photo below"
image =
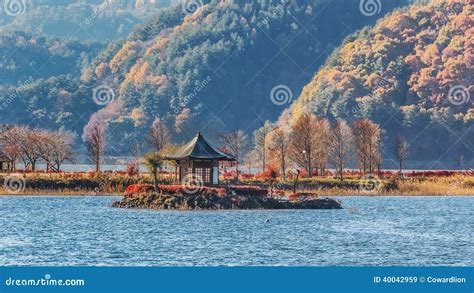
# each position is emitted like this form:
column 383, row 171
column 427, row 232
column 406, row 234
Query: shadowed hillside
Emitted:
column 412, row 73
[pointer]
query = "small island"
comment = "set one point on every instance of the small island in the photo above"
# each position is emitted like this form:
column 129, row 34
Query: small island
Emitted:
column 205, row 198
column 198, row 162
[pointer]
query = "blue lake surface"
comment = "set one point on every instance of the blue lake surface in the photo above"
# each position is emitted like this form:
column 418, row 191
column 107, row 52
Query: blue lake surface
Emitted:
column 375, row 231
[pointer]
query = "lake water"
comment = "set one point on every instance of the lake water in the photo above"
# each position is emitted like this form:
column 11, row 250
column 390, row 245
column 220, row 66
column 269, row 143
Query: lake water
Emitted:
column 376, row 231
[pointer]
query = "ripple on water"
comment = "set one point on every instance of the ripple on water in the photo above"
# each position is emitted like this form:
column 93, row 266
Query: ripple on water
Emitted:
column 372, row 231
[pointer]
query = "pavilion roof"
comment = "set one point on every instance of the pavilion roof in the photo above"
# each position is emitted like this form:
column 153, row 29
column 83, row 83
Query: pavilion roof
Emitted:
column 200, row 148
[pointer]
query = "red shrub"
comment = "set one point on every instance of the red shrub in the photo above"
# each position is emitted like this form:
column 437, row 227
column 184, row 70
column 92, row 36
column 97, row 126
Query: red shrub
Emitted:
column 139, row 188
column 175, row 189
column 182, row 189
column 440, row 173
column 293, row 196
column 230, row 174
column 247, row 176
column 303, row 173
column 279, row 192
column 328, row 173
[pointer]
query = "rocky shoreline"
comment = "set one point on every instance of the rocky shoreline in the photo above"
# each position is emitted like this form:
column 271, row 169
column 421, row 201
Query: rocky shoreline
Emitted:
column 215, row 202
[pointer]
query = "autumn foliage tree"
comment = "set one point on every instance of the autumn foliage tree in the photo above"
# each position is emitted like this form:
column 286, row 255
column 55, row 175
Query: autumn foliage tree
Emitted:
column 340, row 146
column 260, row 142
column 278, row 144
column 413, row 69
column 303, row 142
column 367, row 136
column 322, row 137
column 95, row 146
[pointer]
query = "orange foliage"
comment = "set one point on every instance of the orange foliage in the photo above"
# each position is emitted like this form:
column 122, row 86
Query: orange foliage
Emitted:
column 433, row 43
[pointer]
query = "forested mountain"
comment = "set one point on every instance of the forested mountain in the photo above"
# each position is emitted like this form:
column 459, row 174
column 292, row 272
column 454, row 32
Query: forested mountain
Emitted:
column 224, row 65
column 96, row 20
column 57, row 102
column 214, row 68
column 412, row 73
column 30, row 57
column 40, row 81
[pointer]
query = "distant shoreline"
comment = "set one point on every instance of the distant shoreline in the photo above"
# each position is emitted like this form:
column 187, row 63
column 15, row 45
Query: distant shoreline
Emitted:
column 67, row 184
column 58, row 194
column 83, row 194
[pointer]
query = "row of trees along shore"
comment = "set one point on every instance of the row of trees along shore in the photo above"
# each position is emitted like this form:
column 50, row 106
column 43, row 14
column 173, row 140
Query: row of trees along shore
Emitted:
column 311, row 144
column 32, row 145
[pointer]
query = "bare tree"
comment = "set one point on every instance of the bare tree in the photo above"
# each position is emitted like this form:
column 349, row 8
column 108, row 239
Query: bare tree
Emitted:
column 95, row 145
column 13, row 154
column 260, row 141
column 46, row 144
column 167, row 151
column 25, row 141
column 400, row 150
column 367, row 142
column 340, row 146
column 158, row 135
column 321, row 135
column 63, row 150
column 251, row 160
column 33, row 144
column 225, row 164
column 303, row 142
column 9, row 145
column 278, row 144
column 237, row 142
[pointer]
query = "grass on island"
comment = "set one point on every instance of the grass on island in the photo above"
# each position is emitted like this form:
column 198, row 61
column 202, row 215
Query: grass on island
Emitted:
column 435, row 186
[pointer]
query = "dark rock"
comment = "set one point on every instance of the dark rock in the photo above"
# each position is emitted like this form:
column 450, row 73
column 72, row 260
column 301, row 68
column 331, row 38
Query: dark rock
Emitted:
column 212, row 201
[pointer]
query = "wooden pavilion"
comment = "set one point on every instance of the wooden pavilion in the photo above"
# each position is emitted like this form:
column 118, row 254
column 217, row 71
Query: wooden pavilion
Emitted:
column 199, row 159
